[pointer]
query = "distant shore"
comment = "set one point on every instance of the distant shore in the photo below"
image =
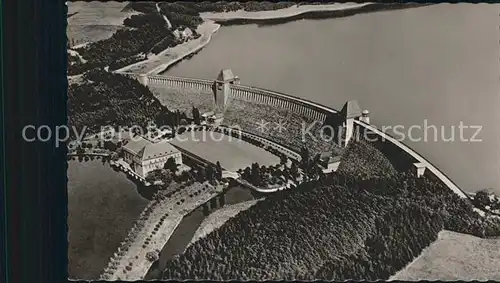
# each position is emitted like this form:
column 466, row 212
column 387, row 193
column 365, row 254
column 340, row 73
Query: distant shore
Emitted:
column 285, row 13
column 295, row 13
column 168, row 58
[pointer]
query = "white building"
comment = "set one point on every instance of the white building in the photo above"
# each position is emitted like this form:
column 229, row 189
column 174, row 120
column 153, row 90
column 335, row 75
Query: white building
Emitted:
column 145, row 156
column 187, row 33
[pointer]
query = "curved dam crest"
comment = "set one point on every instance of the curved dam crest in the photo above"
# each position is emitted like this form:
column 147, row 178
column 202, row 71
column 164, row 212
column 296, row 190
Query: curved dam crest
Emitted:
column 307, row 108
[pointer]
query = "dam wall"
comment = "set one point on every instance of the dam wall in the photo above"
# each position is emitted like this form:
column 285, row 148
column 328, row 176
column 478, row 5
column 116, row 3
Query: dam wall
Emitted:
column 180, row 82
column 297, row 105
column 411, row 157
column 402, row 156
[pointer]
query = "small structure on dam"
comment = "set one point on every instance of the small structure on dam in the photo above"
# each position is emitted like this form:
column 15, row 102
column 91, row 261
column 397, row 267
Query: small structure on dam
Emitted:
column 222, row 90
column 365, row 116
column 349, row 112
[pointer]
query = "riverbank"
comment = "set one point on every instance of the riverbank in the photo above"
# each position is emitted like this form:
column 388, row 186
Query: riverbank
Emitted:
column 218, row 218
column 157, row 224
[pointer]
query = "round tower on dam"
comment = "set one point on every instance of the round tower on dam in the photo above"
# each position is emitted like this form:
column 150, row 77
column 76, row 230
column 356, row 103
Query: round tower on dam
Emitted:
column 365, row 116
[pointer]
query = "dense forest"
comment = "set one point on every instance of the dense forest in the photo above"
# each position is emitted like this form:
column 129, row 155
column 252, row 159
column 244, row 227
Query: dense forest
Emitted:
column 346, row 226
column 365, row 161
column 107, row 99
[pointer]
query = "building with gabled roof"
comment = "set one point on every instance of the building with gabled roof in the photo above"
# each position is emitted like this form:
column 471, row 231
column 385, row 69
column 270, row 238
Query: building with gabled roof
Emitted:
column 134, row 146
column 145, row 156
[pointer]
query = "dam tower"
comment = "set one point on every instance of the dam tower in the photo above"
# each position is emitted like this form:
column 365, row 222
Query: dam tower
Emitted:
column 349, row 113
column 221, row 88
column 143, row 79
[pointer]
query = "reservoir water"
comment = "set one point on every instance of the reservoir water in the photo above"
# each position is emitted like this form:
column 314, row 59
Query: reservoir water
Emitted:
column 102, row 206
column 435, row 65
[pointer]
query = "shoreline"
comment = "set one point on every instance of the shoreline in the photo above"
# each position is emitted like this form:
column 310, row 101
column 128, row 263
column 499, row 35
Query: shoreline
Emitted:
column 186, row 55
column 155, row 65
column 280, row 14
column 213, row 21
column 311, row 12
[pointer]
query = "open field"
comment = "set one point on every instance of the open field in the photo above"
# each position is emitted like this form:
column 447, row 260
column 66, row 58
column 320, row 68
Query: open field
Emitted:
column 455, row 256
column 183, row 99
column 231, row 152
column 94, row 21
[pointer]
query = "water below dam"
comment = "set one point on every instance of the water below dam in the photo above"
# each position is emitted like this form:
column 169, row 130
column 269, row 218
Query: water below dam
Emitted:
column 102, row 206
column 434, row 65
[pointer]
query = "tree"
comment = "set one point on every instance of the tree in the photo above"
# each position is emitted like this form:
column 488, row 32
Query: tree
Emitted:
column 114, row 156
column 166, row 176
column 210, row 172
column 277, row 173
column 196, row 116
column 201, row 175
column 219, row 171
column 283, row 159
column 317, row 159
column 171, row 165
column 247, row 173
column 294, row 170
column 304, row 154
column 109, row 146
column 255, row 178
column 80, row 150
column 482, row 198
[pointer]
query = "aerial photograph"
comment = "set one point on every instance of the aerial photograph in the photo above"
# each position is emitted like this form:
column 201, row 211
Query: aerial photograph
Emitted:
column 283, row 141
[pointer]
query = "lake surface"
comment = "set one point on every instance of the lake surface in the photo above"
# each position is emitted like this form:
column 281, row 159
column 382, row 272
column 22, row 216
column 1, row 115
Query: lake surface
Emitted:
column 438, row 64
column 102, row 206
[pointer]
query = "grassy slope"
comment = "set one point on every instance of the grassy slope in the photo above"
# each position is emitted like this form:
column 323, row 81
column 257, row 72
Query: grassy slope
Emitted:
column 455, row 256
